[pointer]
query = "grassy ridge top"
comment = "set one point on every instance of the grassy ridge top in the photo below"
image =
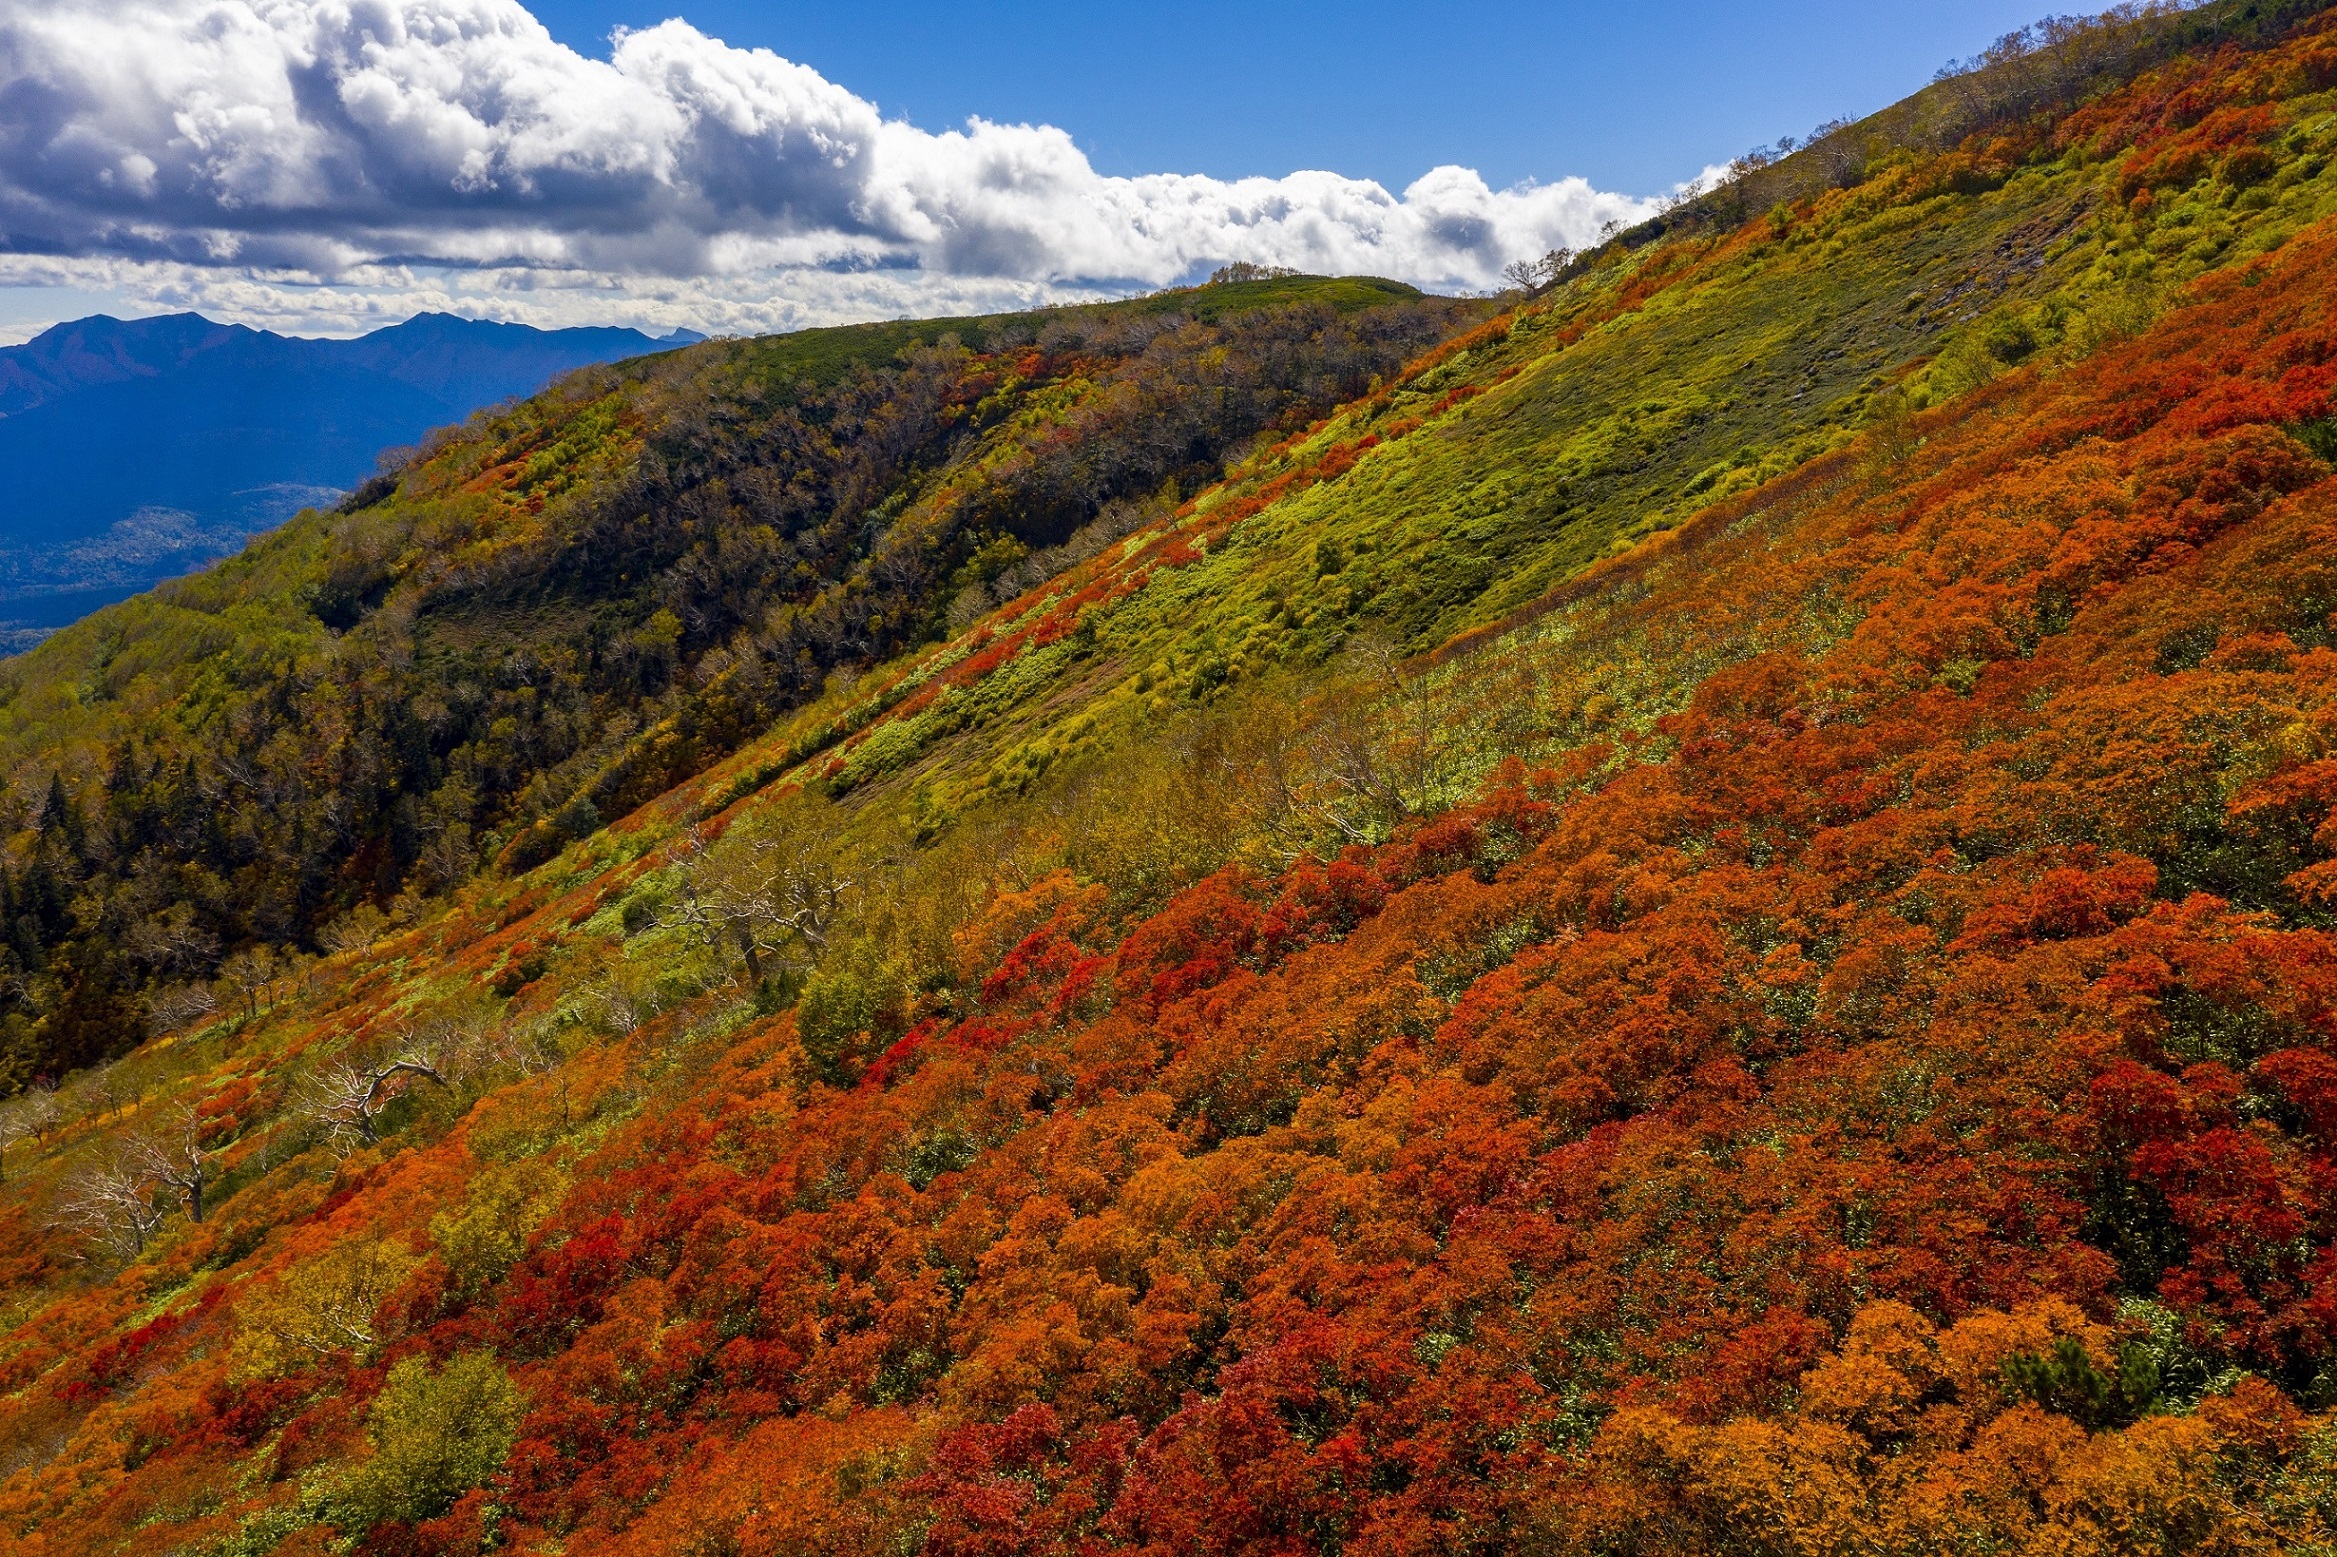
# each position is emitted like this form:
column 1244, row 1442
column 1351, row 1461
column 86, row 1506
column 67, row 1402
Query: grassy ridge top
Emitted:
column 1652, row 386
column 279, row 572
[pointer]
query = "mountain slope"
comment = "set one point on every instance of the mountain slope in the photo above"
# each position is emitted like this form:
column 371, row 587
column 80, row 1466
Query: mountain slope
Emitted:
column 131, row 451
column 455, row 668
column 1810, row 1032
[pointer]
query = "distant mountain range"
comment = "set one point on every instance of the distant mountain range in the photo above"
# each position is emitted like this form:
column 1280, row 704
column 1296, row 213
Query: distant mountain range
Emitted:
column 135, row 450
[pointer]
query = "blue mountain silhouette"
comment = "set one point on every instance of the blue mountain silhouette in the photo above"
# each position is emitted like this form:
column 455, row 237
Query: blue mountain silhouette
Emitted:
column 135, row 450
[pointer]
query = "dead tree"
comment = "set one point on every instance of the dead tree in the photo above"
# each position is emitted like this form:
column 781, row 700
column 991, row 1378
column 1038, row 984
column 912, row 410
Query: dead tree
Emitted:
column 173, row 1156
column 250, row 976
column 182, row 1005
column 1535, row 276
column 348, row 1095
column 774, row 895
column 110, row 1201
column 29, row 1116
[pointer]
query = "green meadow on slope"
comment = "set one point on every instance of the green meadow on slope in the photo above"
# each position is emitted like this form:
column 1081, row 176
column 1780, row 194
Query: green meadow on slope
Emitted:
column 1642, row 391
column 453, row 669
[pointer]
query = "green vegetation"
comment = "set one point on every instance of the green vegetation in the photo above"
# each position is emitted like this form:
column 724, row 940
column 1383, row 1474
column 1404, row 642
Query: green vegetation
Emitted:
column 1692, row 915
column 558, row 611
column 436, row 1434
column 1646, row 389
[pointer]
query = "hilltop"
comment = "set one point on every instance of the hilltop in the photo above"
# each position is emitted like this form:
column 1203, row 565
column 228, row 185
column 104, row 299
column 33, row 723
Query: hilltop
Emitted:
column 1687, row 912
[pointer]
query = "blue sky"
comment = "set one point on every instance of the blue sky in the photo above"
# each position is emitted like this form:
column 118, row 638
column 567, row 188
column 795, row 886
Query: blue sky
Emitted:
column 1632, row 97
column 515, row 159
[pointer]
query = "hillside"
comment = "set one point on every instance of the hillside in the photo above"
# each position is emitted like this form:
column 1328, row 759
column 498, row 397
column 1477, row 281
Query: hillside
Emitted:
column 133, row 451
column 565, row 607
column 1691, row 917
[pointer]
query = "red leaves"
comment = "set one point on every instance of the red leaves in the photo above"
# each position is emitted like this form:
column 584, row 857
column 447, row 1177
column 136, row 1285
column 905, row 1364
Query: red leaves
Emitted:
column 2308, row 1079
column 1319, row 901
column 1756, row 1369
column 1460, row 395
column 1465, row 1151
column 245, row 1414
column 987, row 658
column 559, row 1291
column 118, row 1361
column 1341, row 457
column 2135, row 1104
column 1946, row 967
column 1909, row 962
column 220, row 1115
column 2065, row 902
column 1200, row 937
column 1008, row 1487
column 2183, row 158
column 1171, row 551
column 2239, row 1194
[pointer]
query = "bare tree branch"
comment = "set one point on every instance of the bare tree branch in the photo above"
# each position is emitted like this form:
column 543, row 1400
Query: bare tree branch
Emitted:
column 173, row 1156
column 775, row 894
column 28, row 1116
column 348, row 1096
column 110, row 1202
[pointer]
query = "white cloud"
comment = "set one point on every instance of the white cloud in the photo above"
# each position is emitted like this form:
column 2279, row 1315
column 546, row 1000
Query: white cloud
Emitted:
column 323, row 163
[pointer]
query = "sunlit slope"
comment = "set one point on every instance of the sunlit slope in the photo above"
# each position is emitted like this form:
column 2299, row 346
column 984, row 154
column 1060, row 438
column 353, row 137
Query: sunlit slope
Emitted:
column 451, row 672
column 1829, row 1019
column 127, row 662
column 1814, row 1027
column 1645, row 389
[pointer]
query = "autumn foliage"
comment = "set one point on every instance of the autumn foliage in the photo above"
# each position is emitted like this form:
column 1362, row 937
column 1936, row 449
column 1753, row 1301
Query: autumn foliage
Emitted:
column 1879, row 1097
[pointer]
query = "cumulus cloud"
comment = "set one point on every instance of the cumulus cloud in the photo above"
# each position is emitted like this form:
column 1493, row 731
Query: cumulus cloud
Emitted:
column 324, row 157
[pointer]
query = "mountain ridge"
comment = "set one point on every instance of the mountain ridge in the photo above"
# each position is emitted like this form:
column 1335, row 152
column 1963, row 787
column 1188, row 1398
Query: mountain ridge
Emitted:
column 133, row 450
column 98, row 349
